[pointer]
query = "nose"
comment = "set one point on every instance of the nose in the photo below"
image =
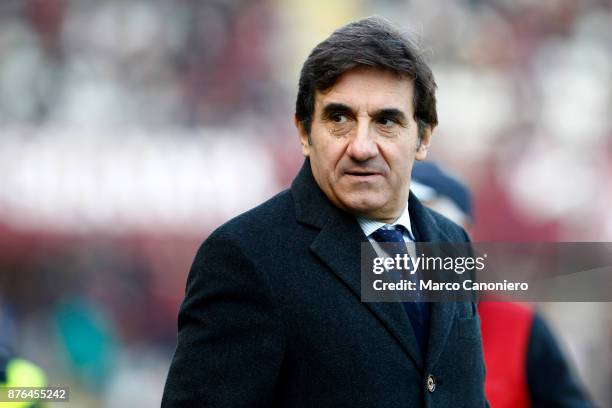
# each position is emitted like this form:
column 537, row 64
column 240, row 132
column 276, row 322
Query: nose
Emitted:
column 362, row 146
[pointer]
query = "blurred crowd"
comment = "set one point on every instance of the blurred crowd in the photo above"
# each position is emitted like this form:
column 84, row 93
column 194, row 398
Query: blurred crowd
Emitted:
column 130, row 129
column 134, row 63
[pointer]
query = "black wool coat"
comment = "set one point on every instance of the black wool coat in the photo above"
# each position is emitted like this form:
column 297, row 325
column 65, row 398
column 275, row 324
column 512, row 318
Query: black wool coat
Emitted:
column 272, row 317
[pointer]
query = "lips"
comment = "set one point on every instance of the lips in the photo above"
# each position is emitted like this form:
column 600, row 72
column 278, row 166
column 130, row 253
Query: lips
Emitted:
column 361, row 173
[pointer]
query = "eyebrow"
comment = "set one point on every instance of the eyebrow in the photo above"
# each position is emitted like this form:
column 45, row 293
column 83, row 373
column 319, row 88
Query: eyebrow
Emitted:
column 336, row 107
column 392, row 113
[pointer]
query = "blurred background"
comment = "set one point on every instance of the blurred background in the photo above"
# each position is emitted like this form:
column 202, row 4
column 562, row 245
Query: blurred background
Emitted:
column 130, row 129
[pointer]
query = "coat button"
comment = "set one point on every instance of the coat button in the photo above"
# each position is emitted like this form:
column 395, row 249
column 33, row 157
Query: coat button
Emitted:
column 431, row 383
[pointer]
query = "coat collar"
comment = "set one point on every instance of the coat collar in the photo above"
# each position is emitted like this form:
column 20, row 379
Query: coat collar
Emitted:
column 338, row 245
column 312, row 207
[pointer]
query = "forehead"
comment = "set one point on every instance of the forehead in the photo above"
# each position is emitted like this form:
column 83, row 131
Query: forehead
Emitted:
column 369, row 89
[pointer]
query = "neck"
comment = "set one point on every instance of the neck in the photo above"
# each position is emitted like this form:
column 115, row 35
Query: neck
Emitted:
column 385, row 218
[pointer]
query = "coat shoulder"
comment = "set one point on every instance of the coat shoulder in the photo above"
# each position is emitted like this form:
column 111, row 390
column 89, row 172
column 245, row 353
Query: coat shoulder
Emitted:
column 452, row 231
column 260, row 222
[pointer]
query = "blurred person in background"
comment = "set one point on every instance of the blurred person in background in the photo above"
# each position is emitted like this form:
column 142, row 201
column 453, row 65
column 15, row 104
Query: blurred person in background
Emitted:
column 525, row 364
column 17, row 372
column 272, row 313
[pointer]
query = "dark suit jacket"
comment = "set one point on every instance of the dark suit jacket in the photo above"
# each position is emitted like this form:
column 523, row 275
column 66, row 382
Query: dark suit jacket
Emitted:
column 272, row 317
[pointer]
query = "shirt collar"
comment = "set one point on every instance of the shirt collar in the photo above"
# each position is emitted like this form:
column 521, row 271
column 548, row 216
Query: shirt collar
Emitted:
column 369, row 226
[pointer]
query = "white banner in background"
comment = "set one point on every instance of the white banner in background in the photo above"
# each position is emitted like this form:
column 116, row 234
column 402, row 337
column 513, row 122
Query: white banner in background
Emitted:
column 71, row 181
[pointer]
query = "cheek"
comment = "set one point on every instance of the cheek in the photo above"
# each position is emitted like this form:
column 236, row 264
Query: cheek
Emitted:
column 330, row 154
column 398, row 156
column 325, row 158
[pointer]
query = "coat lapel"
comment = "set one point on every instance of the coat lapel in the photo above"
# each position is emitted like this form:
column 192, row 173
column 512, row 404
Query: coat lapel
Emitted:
column 338, row 245
column 442, row 313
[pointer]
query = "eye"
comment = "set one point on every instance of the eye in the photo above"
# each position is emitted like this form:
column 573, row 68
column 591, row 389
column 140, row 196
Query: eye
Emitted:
column 387, row 122
column 339, row 118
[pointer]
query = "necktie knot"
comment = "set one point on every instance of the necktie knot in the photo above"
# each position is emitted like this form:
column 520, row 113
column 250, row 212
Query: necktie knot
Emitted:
column 393, row 233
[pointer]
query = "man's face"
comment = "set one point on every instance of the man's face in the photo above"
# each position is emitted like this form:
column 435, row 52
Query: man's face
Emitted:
column 363, row 142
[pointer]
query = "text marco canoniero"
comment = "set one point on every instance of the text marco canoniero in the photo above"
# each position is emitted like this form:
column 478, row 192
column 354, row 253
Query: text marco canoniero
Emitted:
column 458, row 265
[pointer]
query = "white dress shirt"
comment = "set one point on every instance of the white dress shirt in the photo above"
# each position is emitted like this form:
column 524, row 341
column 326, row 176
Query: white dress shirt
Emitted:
column 368, row 226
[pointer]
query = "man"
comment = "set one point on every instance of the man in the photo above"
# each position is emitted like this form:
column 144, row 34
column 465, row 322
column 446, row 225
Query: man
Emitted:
column 526, row 366
column 272, row 314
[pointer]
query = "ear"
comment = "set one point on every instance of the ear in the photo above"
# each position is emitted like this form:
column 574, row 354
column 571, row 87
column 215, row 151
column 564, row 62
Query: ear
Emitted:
column 425, row 140
column 303, row 136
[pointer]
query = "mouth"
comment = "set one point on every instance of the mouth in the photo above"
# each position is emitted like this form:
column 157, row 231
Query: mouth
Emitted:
column 362, row 174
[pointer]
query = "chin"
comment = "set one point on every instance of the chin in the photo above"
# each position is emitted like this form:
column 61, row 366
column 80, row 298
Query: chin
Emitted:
column 362, row 205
